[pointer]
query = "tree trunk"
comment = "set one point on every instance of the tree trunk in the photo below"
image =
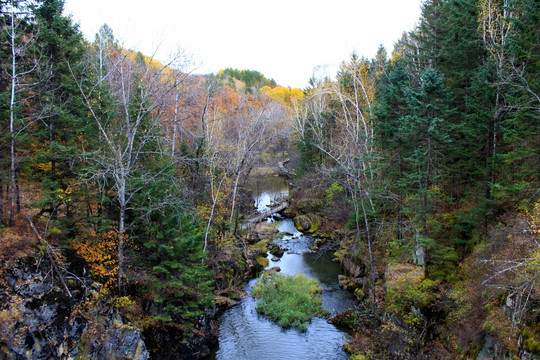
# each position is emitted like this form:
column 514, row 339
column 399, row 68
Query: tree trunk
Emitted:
column 368, row 238
column 234, row 196
column 173, row 147
column 400, row 194
column 426, row 185
column 121, row 229
column 18, row 196
column 12, row 121
column 12, row 177
column 53, row 161
column 1, row 202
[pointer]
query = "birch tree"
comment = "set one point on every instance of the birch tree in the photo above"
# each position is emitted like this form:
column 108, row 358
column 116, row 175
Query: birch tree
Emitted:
column 346, row 139
column 19, row 33
column 126, row 100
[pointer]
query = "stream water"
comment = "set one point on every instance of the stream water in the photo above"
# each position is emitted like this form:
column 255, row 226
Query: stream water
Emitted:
column 244, row 334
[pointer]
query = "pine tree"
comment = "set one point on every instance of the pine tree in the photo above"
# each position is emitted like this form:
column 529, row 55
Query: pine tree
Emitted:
column 462, row 63
column 62, row 117
column 172, row 248
column 520, row 128
column 425, row 129
column 390, row 112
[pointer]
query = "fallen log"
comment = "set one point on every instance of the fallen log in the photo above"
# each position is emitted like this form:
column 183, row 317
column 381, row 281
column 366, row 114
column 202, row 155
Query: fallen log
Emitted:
column 254, row 220
column 283, row 170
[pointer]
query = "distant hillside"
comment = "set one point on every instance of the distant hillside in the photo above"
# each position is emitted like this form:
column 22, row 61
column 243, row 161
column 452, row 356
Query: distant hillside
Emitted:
column 250, row 80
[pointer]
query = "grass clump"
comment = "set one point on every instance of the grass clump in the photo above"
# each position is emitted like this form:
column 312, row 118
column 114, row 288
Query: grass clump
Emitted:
column 289, row 300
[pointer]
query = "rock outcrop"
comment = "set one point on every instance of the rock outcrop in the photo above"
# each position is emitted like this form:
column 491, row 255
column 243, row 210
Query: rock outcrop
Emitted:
column 40, row 320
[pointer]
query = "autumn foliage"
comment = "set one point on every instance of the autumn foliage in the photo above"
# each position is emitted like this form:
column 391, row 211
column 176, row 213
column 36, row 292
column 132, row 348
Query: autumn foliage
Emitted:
column 100, row 250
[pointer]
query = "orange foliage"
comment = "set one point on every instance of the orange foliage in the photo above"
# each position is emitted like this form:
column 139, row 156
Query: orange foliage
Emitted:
column 101, row 253
column 227, row 100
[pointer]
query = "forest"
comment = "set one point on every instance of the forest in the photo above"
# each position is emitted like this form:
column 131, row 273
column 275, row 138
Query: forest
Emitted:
column 123, row 188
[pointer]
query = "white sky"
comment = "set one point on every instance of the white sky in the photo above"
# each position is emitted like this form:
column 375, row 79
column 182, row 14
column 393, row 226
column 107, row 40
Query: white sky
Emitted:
column 283, row 39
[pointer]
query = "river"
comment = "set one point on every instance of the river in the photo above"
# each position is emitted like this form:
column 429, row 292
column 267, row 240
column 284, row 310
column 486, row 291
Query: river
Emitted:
column 244, row 334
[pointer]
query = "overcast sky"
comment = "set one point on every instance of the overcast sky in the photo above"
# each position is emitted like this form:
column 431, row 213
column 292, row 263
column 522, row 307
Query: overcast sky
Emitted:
column 283, row 39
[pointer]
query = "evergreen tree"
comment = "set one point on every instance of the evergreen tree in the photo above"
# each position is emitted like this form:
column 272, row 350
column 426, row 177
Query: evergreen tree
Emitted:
column 171, row 250
column 518, row 180
column 62, row 117
column 390, row 112
column 462, row 62
column 415, row 120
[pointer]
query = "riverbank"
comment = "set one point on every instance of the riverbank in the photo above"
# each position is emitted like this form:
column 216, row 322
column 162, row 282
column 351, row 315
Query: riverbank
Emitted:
column 244, row 334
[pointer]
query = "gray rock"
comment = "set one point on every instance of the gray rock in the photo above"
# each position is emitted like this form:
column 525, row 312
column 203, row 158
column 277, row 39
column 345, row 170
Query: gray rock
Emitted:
column 489, row 351
column 123, row 342
column 273, row 269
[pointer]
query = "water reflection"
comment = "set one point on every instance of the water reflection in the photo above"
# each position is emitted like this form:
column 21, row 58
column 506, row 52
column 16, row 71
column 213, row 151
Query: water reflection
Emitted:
column 266, row 190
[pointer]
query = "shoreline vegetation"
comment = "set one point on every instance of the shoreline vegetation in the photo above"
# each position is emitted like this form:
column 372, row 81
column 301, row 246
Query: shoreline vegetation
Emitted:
column 289, row 300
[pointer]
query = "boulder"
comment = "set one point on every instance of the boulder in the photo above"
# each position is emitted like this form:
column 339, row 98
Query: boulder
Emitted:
column 277, row 251
column 352, row 283
column 347, row 318
column 490, row 350
column 302, row 223
column 257, row 250
column 307, row 223
column 401, row 342
column 258, row 264
column 223, row 302
column 308, row 205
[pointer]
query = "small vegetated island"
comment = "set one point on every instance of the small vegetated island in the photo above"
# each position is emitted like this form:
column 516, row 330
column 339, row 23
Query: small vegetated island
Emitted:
column 289, row 300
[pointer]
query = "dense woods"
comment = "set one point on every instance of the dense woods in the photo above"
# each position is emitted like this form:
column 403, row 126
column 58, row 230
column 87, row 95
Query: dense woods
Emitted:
column 437, row 148
column 423, row 163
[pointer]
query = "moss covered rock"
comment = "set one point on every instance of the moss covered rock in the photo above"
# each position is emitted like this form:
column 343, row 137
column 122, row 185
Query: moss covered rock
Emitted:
column 262, row 262
column 260, row 247
column 307, row 223
column 302, row 223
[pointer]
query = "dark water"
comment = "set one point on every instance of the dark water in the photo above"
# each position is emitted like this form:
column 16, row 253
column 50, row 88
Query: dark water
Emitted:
column 244, row 334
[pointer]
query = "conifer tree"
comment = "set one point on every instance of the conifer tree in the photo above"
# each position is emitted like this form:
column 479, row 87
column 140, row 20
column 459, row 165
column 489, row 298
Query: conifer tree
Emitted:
column 62, row 117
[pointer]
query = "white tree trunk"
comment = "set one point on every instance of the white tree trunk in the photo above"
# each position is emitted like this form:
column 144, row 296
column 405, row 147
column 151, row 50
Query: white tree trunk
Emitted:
column 12, row 168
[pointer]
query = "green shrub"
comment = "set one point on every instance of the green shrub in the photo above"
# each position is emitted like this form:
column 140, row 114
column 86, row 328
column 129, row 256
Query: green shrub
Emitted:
column 289, row 300
column 407, row 290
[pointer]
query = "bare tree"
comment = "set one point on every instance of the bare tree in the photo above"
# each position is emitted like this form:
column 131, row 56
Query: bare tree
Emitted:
column 348, row 141
column 134, row 91
column 241, row 126
column 20, row 38
column 254, row 130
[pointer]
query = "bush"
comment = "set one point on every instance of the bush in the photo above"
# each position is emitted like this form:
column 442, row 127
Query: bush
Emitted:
column 289, row 300
column 407, row 290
